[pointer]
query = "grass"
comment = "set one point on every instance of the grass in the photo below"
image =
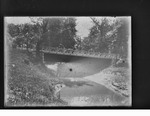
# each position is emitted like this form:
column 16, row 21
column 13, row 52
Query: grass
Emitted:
column 28, row 81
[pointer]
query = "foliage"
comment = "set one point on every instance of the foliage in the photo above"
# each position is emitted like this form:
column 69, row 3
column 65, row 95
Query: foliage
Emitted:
column 13, row 30
column 106, row 37
column 49, row 32
column 27, row 82
column 98, row 34
column 61, row 32
column 69, row 33
column 78, row 45
column 121, row 43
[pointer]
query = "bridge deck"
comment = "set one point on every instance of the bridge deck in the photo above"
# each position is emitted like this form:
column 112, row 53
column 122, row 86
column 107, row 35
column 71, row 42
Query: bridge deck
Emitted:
column 80, row 53
column 77, row 53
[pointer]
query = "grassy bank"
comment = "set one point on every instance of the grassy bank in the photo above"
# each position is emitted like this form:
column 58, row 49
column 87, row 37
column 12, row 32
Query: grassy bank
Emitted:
column 29, row 81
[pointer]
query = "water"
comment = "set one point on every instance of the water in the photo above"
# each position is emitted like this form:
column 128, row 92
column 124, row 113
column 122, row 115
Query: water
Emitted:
column 78, row 91
column 53, row 66
column 95, row 93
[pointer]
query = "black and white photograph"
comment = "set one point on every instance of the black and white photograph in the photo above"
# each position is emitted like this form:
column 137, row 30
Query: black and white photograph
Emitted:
column 53, row 61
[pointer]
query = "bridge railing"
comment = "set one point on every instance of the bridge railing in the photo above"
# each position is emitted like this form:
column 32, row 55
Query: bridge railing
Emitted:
column 76, row 52
column 79, row 52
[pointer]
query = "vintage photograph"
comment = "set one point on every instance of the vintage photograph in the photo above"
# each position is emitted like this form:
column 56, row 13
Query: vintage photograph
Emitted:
column 67, row 61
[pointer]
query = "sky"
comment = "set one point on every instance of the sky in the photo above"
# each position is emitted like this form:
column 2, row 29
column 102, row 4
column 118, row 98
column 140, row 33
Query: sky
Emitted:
column 83, row 26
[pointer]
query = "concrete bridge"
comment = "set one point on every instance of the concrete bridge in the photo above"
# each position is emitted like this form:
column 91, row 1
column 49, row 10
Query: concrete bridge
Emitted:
column 66, row 55
column 82, row 63
column 77, row 63
column 81, row 53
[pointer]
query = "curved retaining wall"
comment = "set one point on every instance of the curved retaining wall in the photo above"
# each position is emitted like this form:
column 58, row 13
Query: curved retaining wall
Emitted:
column 77, row 66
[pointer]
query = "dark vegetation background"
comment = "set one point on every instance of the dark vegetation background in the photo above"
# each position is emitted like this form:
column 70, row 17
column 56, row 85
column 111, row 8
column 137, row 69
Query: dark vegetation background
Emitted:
column 139, row 10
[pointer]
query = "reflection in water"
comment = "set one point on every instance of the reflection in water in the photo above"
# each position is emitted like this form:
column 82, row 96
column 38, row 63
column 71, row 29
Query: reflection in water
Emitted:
column 90, row 95
column 79, row 91
column 53, row 66
column 73, row 82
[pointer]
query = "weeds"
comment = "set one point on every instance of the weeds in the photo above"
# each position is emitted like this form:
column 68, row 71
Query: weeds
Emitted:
column 28, row 81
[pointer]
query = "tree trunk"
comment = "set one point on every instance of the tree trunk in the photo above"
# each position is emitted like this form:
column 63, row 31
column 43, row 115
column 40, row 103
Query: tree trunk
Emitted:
column 38, row 48
column 27, row 45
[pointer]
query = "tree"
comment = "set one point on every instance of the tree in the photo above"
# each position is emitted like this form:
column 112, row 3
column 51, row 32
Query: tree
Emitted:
column 121, row 43
column 97, row 36
column 111, row 36
column 61, row 32
column 27, row 34
column 13, row 30
column 44, row 32
column 78, row 45
column 68, row 34
column 107, row 37
column 53, row 35
column 85, row 45
column 40, row 28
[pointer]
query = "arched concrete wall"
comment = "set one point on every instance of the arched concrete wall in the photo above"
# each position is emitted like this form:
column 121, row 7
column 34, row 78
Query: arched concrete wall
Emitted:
column 76, row 66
